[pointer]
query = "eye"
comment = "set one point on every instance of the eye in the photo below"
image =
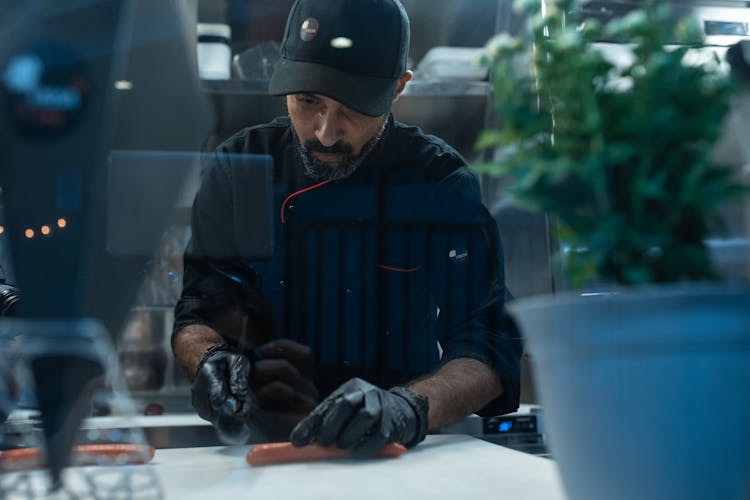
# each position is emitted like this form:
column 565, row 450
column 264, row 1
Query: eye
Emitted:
column 307, row 100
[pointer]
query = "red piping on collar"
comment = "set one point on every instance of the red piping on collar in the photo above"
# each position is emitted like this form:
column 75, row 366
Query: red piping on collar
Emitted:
column 288, row 198
column 400, row 270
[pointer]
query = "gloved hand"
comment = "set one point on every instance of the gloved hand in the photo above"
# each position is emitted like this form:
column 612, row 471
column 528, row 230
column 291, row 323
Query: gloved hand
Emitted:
column 221, row 392
column 364, row 417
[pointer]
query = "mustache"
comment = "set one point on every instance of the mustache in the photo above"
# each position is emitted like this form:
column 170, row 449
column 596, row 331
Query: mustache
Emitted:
column 315, row 146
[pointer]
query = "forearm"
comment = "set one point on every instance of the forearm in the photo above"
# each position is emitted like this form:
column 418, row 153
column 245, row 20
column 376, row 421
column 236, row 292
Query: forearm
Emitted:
column 458, row 389
column 232, row 325
column 189, row 345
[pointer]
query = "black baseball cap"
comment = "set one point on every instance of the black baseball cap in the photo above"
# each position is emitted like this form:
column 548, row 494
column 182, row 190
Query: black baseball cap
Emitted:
column 353, row 51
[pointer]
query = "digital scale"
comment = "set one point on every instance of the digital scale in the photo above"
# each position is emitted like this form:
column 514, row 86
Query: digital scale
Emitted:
column 522, row 430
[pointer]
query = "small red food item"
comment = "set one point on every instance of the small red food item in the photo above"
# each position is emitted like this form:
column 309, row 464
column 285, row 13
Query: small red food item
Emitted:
column 84, row 454
column 287, row 453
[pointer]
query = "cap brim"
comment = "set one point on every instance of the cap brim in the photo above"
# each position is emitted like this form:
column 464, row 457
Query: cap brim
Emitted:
column 367, row 95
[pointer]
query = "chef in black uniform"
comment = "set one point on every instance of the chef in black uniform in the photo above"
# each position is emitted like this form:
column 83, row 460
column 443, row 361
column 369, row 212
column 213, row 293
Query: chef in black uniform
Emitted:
column 385, row 294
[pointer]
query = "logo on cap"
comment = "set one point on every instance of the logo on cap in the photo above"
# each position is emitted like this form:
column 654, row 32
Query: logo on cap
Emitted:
column 458, row 255
column 309, row 29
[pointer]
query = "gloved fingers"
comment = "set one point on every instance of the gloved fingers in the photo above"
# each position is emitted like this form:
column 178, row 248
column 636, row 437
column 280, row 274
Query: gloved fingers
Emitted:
column 372, row 442
column 229, row 407
column 307, row 429
column 326, row 417
column 363, row 421
column 216, row 387
column 297, row 354
column 337, row 417
column 280, row 396
column 351, row 385
column 239, row 376
column 380, row 435
column 271, row 370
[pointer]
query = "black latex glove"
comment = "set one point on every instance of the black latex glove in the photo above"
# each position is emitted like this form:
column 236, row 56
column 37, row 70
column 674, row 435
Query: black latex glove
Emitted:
column 364, row 417
column 221, row 392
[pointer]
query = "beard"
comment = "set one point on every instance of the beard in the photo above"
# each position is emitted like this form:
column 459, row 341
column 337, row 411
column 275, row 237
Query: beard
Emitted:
column 319, row 170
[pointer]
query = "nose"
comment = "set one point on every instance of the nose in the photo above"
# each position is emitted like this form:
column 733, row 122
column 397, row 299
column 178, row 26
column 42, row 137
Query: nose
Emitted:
column 329, row 129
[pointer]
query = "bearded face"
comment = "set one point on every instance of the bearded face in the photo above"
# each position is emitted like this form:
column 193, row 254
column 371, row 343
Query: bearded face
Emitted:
column 346, row 164
column 332, row 140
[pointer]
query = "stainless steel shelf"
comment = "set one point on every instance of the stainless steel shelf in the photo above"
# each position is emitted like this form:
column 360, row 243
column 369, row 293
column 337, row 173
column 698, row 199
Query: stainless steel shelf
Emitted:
column 415, row 87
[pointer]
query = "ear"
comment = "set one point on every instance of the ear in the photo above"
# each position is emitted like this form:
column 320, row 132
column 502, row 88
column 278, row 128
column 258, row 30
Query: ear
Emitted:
column 402, row 81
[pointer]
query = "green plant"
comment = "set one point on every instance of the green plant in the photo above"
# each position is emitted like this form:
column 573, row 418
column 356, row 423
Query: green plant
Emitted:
column 619, row 155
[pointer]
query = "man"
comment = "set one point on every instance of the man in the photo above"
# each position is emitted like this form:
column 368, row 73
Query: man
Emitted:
column 386, row 289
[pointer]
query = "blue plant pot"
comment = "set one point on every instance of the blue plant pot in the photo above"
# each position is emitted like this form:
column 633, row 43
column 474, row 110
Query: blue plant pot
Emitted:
column 645, row 391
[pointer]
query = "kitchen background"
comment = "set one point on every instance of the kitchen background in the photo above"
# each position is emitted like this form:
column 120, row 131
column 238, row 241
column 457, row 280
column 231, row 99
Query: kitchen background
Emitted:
column 450, row 96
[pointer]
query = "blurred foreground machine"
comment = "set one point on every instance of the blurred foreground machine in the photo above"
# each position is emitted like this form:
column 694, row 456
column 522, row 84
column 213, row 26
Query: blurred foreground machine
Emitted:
column 69, row 72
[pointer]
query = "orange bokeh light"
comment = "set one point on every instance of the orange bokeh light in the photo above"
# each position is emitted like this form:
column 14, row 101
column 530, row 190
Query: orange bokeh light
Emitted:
column 29, row 233
column 45, row 230
column 2, row 229
column 61, row 223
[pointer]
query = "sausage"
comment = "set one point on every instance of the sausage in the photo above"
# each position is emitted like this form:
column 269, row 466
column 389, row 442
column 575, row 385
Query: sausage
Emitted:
column 112, row 454
column 20, row 459
column 286, row 453
column 84, row 454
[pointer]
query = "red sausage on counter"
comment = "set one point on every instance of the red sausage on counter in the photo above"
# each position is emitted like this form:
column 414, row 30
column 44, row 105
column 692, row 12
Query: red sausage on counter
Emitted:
column 287, row 453
column 85, row 454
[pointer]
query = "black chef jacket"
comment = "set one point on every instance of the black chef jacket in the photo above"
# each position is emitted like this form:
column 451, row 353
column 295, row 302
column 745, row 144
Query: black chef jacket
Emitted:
column 386, row 275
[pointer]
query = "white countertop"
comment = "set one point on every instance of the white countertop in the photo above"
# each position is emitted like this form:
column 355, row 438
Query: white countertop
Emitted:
column 446, row 467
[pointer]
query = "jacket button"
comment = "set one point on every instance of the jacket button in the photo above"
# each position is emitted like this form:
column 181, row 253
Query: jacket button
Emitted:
column 349, row 292
column 282, row 284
